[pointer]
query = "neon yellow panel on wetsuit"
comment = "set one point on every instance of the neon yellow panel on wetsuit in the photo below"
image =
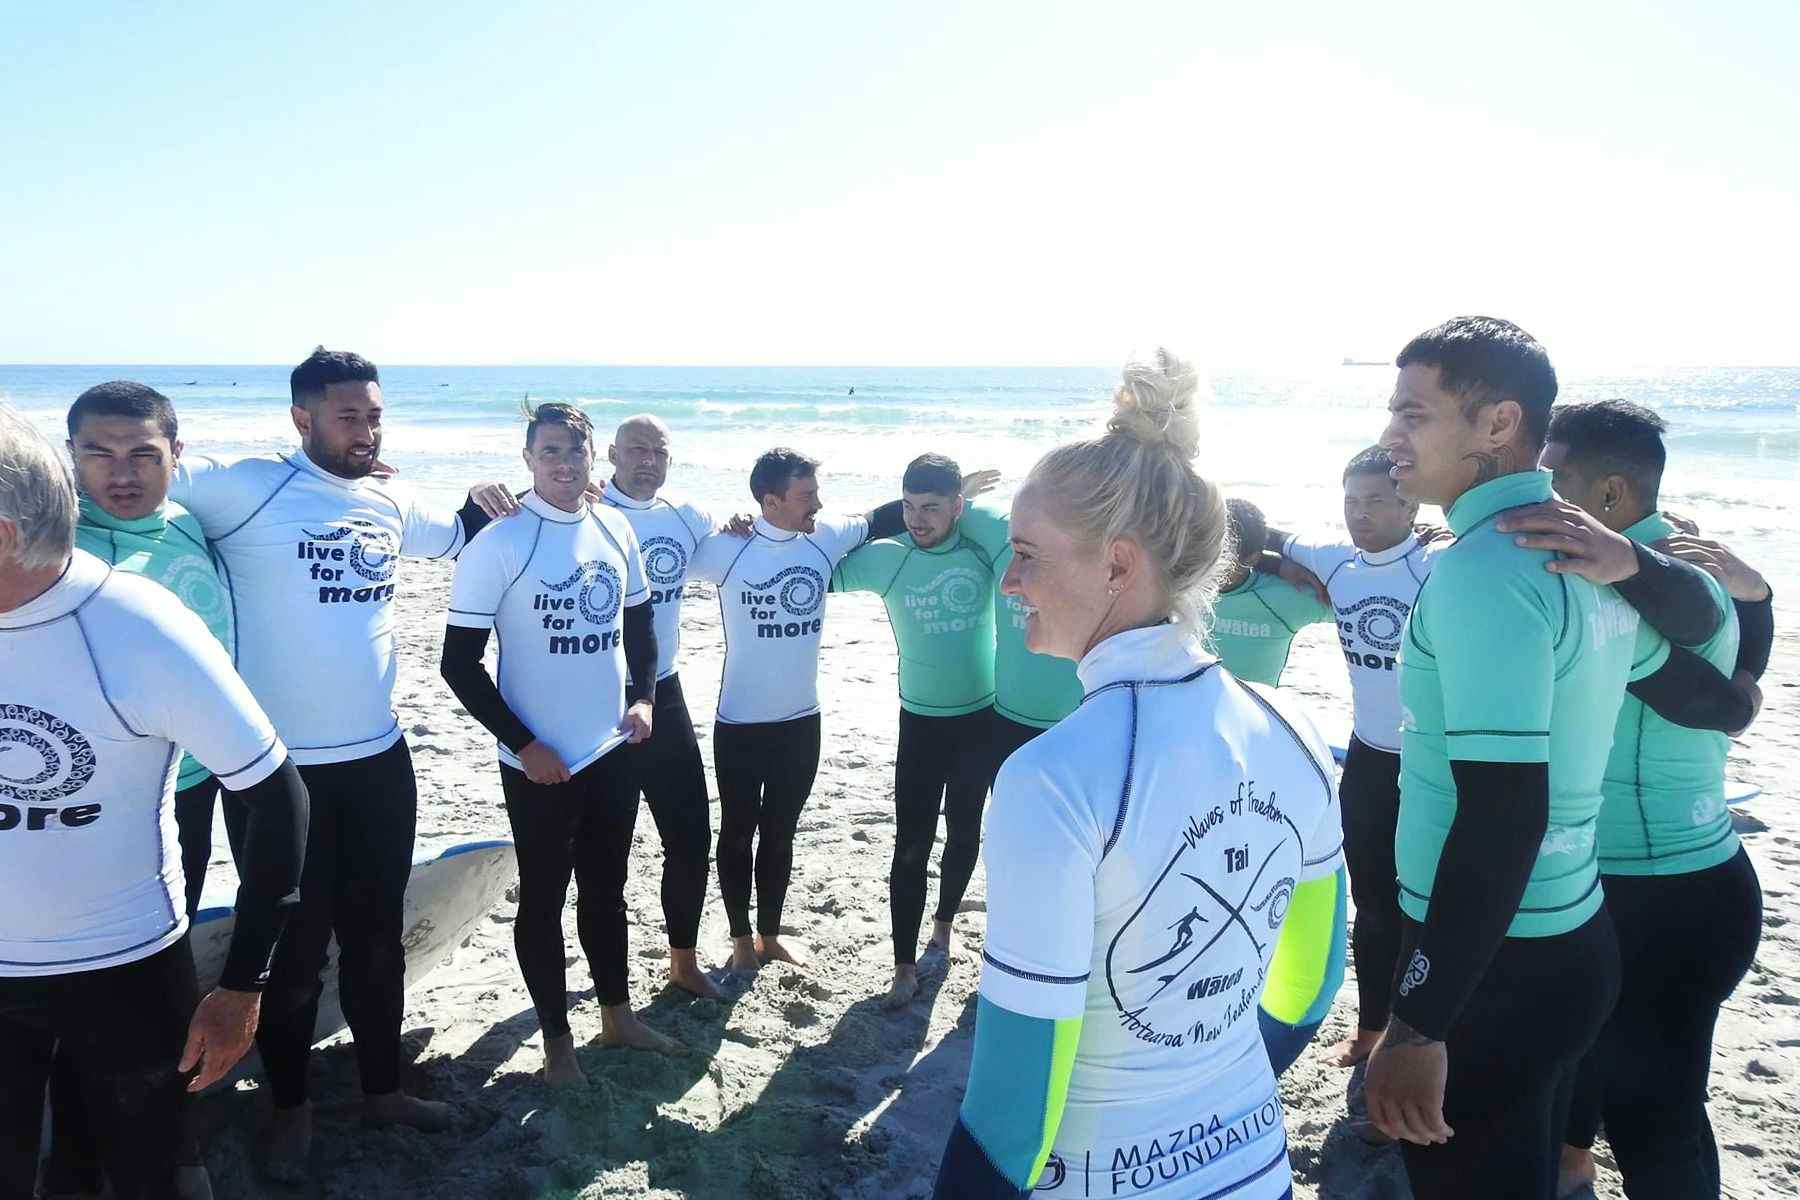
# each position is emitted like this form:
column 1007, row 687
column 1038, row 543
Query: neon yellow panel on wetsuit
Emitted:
column 940, row 605
column 166, row 546
column 1504, row 661
column 1255, row 622
column 1032, row 689
column 1665, row 784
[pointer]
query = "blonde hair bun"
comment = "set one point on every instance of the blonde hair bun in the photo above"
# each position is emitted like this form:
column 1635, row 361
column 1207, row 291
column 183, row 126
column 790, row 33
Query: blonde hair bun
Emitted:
column 1156, row 403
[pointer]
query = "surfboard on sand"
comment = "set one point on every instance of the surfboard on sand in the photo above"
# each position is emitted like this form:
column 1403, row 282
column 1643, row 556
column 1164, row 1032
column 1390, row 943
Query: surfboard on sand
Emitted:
column 450, row 891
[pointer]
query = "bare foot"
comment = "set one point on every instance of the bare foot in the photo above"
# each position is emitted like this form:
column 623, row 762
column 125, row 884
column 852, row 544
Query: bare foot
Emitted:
column 936, row 959
column 685, row 973
column 744, row 962
column 770, row 949
column 1353, row 1050
column 561, row 1070
column 620, row 1027
column 1574, row 1173
column 398, row 1108
column 290, row 1145
column 906, row 986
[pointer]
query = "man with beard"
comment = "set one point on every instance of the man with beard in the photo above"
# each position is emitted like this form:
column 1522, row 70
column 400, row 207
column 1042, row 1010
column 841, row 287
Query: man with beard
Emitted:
column 309, row 540
column 938, row 587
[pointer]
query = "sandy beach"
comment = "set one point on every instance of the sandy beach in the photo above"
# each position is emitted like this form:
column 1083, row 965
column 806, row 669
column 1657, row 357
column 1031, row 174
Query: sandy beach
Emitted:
column 802, row 1086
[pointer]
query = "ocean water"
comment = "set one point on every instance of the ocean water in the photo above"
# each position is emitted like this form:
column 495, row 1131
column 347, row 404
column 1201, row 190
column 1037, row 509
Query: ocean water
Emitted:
column 1279, row 439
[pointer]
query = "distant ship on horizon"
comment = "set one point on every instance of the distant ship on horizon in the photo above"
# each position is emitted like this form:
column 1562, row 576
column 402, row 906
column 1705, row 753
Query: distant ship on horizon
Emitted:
column 1363, row 362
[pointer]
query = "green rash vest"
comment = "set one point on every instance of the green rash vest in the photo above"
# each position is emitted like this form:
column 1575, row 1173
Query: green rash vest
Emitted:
column 1504, row 661
column 1665, row 783
column 940, row 605
column 166, row 546
column 1255, row 622
column 1031, row 689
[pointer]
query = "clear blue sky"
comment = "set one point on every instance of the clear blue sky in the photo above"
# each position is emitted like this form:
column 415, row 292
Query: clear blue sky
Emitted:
column 923, row 183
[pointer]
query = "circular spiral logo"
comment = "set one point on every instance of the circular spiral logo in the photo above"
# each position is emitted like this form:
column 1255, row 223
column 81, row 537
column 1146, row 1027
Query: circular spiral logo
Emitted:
column 665, row 560
column 57, row 759
column 801, row 590
column 593, row 577
column 196, row 585
column 1381, row 621
column 372, row 549
column 960, row 589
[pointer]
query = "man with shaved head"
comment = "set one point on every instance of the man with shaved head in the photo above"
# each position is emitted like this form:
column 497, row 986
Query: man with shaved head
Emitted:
column 667, row 765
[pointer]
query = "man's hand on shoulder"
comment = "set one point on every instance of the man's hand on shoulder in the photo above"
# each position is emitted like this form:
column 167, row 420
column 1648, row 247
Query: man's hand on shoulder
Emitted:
column 976, row 483
column 1743, row 581
column 1588, row 548
column 494, row 499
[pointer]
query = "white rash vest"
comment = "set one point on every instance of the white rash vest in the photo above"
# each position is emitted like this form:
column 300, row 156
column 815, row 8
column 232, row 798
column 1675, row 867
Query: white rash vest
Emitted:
column 772, row 599
column 1141, row 855
column 103, row 679
column 1373, row 594
column 668, row 533
column 554, row 587
column 310, row 558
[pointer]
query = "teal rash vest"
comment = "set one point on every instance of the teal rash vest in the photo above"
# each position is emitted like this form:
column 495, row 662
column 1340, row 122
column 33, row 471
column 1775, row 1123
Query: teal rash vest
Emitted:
column 1255, row 622
column 940, row 605
column 1504, row 661
column 1664, row 812
column 168, row 547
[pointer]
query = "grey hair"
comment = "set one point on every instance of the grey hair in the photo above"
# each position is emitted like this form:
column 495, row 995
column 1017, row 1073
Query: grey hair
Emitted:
column 1137, row 481
column 37, row 494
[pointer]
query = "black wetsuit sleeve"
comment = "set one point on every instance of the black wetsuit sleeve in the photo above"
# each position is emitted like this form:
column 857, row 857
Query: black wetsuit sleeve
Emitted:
column 1690, row 691
column 1673, row 596
column 889, row 520
column 474, row 519
column 1756, row 633
column 1502, row 814
column 1276, row 539
column 469, row 681
column 640, row 653
column 273, row 852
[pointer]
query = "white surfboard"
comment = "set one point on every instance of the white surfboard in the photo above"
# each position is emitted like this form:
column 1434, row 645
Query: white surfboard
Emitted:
column 449, row 893
column 1739, row 792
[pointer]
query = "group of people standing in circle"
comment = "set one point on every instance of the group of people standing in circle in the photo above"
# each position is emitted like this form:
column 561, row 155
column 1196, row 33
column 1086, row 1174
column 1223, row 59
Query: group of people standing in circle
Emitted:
column 1530, row 821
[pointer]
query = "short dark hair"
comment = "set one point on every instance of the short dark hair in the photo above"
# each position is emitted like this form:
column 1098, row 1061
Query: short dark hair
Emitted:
column 934, row 473
column 1615, row 436
column 1484, row 360
column 776, row 468
column 555, row 413
column 1248, row 528
column 323, row 368
column 124, row 398
column 1373, row 461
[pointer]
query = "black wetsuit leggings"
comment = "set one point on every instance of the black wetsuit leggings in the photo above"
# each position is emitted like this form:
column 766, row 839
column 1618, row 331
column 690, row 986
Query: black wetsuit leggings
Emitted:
column 580, row 828
column 1369, row 796
column 1008, row 735
column 766, row 773
column 1685, row 941
column 945, row 762
column 359, row 846
column 123, row 1030
column 673, row 780
column 75, row 1153
column 1514, row 1052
